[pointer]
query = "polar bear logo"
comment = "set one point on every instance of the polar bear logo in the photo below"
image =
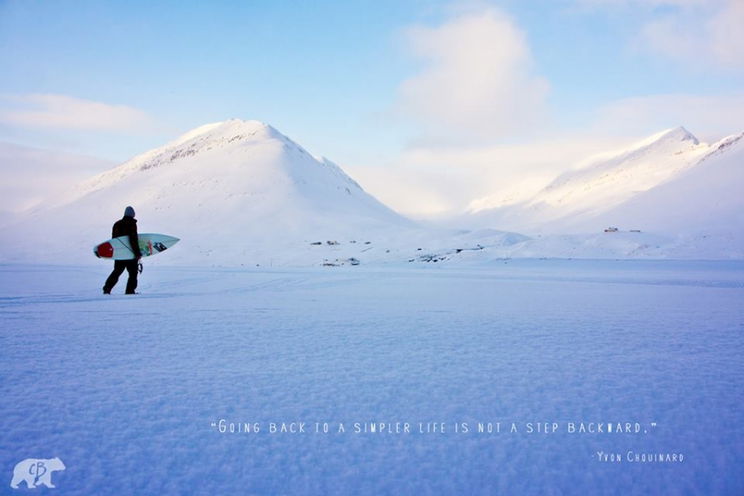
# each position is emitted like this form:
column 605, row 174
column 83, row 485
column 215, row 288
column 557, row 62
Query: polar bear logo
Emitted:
column 36, row 471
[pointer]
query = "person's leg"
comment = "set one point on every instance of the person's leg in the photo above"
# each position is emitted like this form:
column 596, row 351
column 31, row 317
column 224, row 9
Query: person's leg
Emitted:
column 119, row 266
column 132, row 281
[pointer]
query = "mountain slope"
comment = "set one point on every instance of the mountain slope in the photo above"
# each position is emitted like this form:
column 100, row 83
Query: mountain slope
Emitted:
column 236, row 191
column 707, row 196
column 605, row 192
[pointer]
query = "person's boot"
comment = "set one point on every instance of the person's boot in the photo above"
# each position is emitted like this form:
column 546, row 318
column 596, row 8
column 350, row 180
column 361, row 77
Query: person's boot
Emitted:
column 106, row 291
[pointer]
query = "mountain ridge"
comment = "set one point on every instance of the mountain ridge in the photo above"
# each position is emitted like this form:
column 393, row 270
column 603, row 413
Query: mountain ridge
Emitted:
column 576, row 200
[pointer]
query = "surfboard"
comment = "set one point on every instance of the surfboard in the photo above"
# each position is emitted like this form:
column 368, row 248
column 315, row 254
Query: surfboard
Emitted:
column 119, row 248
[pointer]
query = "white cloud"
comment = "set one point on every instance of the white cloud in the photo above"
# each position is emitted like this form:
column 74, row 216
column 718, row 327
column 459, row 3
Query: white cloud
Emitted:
column 699, row 33
column 477, row 79
column 31, row 175
column 726, row 34
column 70, row 113
column 427, row 182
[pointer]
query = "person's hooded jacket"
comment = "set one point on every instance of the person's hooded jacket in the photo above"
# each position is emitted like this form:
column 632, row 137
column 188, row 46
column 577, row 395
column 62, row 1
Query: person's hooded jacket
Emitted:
column 127, row 226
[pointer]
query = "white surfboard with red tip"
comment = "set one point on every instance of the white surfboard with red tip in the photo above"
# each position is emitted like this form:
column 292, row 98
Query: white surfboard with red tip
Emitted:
column 120, row 249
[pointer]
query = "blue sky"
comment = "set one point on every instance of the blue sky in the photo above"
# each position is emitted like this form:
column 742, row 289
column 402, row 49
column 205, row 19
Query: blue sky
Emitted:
column 367, row 83
column 306, row 68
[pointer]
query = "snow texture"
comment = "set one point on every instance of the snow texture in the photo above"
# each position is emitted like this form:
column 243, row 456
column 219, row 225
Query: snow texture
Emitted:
column 124, row 390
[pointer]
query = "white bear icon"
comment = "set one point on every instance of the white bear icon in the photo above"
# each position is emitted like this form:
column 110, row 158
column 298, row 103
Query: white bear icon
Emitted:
column 36, row 471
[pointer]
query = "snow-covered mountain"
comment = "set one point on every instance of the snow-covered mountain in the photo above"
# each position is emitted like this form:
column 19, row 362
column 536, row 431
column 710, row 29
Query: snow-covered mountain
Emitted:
column 236, row 191
column 241, row 193
column 670, row 183
column 706, row 197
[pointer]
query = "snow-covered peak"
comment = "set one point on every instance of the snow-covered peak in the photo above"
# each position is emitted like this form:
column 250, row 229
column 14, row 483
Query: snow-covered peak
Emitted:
column 606, row 182
column 231, row 130
column 230, row 186
column 638, row 168
column 674, row 135
column 241, row 139
column 675, row 141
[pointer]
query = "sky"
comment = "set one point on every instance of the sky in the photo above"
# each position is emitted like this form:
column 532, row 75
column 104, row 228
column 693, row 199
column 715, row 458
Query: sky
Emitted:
column 430, row 105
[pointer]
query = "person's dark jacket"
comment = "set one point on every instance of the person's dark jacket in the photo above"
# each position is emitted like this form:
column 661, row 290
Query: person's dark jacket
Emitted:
column 127, row 226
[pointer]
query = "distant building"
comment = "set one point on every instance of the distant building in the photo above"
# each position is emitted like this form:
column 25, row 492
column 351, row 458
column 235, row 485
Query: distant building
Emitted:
column 611, row 229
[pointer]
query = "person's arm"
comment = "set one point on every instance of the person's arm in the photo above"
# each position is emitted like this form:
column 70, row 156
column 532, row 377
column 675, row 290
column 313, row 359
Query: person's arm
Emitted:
column 134, row 242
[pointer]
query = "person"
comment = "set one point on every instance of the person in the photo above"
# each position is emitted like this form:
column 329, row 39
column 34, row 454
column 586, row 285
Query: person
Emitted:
column 127, row 226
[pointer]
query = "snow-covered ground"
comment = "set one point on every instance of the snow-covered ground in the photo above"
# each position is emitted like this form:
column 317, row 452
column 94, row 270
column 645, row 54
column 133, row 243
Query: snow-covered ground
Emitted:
column 129, row 392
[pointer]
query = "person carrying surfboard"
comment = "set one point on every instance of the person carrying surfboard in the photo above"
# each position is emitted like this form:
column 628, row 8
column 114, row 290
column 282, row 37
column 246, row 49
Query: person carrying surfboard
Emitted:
column 126, row 226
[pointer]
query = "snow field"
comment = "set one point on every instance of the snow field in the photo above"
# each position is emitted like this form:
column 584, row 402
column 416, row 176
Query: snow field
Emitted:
column 125, row 389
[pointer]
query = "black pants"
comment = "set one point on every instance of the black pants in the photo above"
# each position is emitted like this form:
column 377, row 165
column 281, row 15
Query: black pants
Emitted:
column 119, row 267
